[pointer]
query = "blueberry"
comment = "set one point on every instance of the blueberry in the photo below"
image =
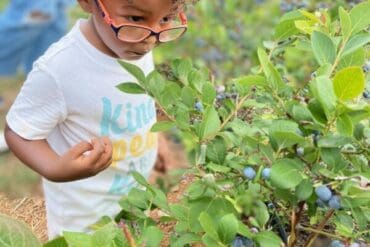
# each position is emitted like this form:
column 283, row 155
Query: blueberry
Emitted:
column 198, row 106
column 249, row 172
column 220, row 96
column 366, row 67
column 323, row 192
column 266, row 173
column 334, row 202
column 300, row 151
column 336, row 243
column 320, row 203
column 355, row 245
column 199, row 42
column 366, row 94
column 313, row 75
column 240, row 241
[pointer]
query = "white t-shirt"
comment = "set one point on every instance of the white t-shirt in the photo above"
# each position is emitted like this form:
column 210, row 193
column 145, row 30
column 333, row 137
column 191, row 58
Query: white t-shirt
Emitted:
column 71, row 96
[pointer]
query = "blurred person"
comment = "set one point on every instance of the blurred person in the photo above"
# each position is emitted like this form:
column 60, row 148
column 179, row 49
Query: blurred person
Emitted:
column 70, row 123
column 27, row 29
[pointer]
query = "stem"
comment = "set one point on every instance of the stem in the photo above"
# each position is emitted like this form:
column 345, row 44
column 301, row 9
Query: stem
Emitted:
column 127, row 233
column 314, row 235
column 309, row 229
column 296, row 217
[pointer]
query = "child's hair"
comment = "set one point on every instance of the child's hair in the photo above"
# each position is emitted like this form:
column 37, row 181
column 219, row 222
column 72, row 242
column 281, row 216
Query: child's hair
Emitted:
column 178, row 4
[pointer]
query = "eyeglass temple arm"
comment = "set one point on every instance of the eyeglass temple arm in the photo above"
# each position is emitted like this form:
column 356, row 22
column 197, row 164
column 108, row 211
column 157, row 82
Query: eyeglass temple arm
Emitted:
column 104, row 12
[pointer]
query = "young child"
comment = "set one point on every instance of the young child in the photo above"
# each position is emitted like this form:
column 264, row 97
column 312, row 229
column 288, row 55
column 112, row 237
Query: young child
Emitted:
column 72, row 125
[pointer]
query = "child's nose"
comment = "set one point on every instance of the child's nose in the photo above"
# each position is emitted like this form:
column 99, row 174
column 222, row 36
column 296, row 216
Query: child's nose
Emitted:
column 151, row 40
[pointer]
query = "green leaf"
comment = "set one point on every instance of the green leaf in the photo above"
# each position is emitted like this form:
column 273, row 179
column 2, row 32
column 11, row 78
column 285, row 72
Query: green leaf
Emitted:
column 211, row 123
column 268, row 239
column 344, row 125
column 187, row 238
column 285, row 174
column 349, row 83
column 208, row 225
column 333, row 141
column 78, row 239
column 208, row 94
column 356, row 58
column 323, row 48
column 162, row 126
column 285, row 29
column 131, row 88
column 105, row 236
column 304, row 190
column 228, row 228
column 322, row 89
column 15, row 233
column 261, row 214
column 57, row 242
column 188, row 96
column 138, row 198
column 134, row 70
column 152, row 236
column 345, row 22
column 360, row 16
column 355, row 43
column 140, row 179
column 270, row 71
column 216, row 150
column 180, row 212
column 183, row 69
column 285, row 133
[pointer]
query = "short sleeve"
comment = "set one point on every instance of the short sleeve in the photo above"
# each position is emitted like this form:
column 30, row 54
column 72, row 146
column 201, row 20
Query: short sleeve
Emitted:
column 38, row 108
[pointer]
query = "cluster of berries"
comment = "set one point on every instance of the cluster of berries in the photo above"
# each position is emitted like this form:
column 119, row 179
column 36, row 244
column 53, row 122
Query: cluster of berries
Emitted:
column 250, row 173
column 326, row 198
column 286, row 6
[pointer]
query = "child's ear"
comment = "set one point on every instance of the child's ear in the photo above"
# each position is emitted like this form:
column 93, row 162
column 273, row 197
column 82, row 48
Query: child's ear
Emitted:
column 86, row 5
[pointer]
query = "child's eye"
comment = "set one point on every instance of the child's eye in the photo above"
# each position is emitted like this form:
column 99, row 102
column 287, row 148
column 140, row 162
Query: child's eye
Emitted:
column 134, row 18
column 167, row 20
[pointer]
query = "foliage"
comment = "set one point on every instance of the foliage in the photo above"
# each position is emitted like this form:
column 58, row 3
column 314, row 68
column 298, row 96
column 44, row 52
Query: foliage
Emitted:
column 278, row 151
column 14, row 233
column 310, row 130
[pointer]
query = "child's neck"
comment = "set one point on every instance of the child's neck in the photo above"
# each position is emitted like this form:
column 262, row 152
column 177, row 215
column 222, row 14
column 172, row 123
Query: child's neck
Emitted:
column 90, row 33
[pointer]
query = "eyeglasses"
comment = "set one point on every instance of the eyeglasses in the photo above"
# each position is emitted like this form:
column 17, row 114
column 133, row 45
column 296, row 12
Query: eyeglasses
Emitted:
column 137, row 33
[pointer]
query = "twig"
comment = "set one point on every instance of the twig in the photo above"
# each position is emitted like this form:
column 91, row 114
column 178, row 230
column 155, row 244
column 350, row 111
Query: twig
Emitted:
column 314, row 235
column 127, row 233
column 296, row 217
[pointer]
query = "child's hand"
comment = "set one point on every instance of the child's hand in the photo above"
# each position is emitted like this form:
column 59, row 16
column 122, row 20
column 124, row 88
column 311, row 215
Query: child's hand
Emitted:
column 86, row 159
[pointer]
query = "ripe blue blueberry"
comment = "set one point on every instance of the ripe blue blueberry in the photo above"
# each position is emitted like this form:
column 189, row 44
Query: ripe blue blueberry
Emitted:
column 240, row 241
column 249, row 172
column 366, row 94
column 266, row 173
column 300, row 151
column 336, row 243
column 198, row 106
column 334, row 202
column 323, row 192
column 366, row 67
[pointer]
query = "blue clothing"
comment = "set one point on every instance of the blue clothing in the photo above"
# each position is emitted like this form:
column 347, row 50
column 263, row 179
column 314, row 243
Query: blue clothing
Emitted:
column 22, row 39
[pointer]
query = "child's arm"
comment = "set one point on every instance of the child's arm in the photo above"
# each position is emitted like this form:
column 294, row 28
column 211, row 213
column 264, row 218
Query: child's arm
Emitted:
column 73, row 165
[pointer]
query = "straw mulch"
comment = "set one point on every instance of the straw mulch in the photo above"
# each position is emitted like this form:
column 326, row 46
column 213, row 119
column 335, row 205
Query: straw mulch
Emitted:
column 29, row 210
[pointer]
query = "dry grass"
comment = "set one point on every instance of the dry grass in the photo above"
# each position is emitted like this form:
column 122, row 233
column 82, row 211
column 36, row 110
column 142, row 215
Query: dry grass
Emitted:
column 29, row 210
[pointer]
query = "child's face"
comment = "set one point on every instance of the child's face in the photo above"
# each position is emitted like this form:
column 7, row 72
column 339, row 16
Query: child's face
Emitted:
column 149, row 13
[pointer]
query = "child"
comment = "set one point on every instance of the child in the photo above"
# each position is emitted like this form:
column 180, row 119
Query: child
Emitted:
column 71, row 125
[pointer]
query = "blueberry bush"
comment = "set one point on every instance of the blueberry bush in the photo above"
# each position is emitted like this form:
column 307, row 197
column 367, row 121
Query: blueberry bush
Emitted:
column 280, row 148
column 281, row 155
